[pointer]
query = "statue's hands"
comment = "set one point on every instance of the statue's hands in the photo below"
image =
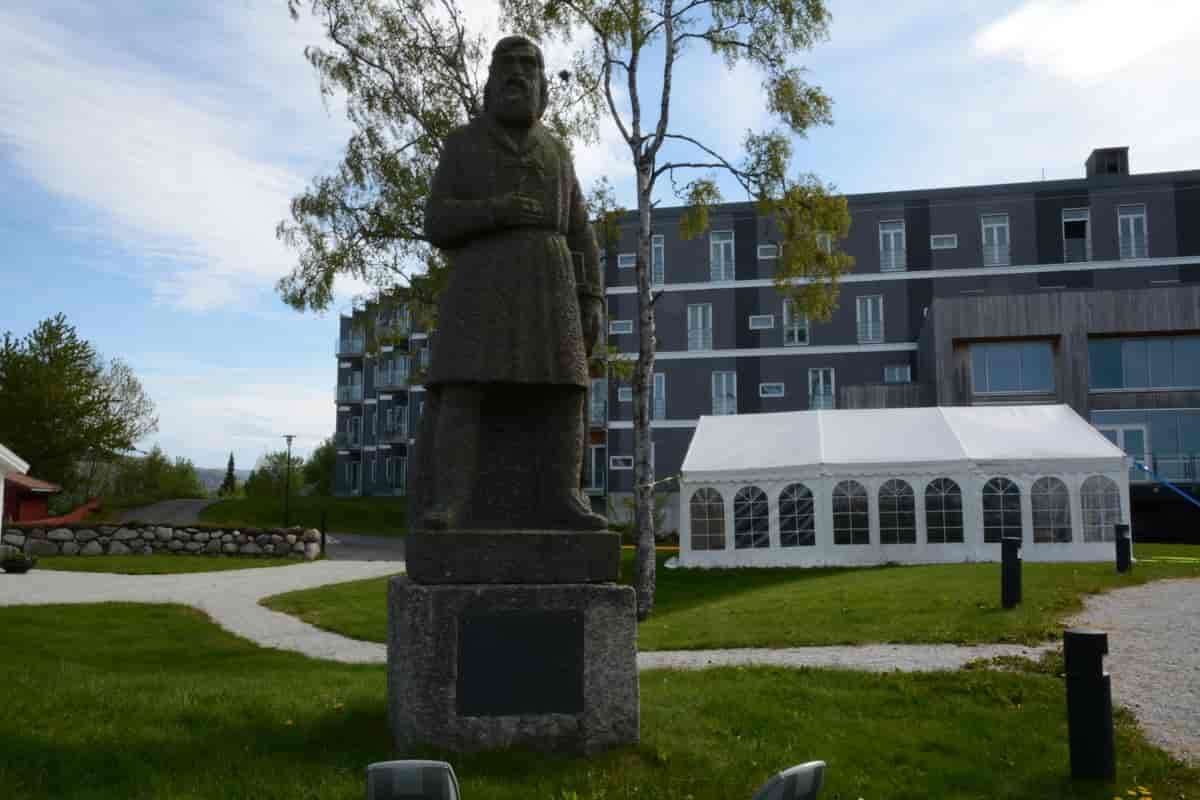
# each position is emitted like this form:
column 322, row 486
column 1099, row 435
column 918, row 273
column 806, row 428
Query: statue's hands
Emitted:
column 514, row 210
column 592, row 316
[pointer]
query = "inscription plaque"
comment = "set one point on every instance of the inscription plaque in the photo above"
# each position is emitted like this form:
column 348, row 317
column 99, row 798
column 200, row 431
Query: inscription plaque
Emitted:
column 520, row 662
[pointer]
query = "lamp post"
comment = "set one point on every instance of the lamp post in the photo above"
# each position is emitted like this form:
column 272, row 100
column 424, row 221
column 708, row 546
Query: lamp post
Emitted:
column 287, row 485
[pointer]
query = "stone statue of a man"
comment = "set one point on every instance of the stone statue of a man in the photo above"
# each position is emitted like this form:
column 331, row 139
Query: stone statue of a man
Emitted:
column 503, row 432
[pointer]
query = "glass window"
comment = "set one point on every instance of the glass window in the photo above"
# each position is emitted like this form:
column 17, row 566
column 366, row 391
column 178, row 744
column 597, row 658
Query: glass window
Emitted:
column 1135, row 364
column 1001, row 510
column 995, row 240
column 1131, row 228
column 851, row 515
column 659, row 410
column 720, row 256
column 1077, row 237
column 897, row 513
column 1158, row 353
column 795, row 326
column 620, row 462
column 616, row 327
column 943, row 241
column 762, row 322
column 1051, row 510
column 699, row 320
column 870, row 319
column 1186, row 352
column 624, row 394
column 724, row 393
column 658, row 260
column 1104, row 363
column 598, row 402
column 751, row 519
column 891, row 246
column 897, row 373
column 797, row 522
column 626, row 260
column 1012, row 367
column 1101, row 502
column 820, row 387
column 766, row 251
column 943, row 512
column 708, row 520
column 770, row 390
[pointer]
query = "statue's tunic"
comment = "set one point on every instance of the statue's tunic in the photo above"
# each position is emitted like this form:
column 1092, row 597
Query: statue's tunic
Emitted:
column 509, row 312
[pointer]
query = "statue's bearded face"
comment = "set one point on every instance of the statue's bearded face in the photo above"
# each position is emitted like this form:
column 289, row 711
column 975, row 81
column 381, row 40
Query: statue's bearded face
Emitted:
column 515, row 81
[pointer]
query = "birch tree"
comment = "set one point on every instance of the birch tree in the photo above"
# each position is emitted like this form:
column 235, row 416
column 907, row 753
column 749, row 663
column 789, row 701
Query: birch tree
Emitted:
column 619, row 37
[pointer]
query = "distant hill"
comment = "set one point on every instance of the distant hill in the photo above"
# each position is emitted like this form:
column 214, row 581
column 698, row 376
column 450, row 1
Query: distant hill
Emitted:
column 212, row 478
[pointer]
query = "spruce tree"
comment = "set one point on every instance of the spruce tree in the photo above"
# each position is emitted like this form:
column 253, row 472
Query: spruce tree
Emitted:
column 229, row 485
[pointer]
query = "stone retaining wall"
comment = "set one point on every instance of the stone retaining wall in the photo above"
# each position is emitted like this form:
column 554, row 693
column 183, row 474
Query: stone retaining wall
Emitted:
column 138, row 538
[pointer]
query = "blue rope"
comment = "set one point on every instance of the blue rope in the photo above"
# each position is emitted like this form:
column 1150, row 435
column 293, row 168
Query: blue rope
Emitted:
column 1167, row 484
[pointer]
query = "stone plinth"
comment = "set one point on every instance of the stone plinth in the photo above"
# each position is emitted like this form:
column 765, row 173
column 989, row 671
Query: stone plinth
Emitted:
column 513, row 557
column 486, row 666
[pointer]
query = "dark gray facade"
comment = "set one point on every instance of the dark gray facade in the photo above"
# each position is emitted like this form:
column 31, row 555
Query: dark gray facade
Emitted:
column 1101, row 257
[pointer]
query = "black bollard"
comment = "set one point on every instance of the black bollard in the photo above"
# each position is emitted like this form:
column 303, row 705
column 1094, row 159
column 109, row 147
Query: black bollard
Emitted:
column 1089, row 704
column 1124, row 548
column 1010, row 572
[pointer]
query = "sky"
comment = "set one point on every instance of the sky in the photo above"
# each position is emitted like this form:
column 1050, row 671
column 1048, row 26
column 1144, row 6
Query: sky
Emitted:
column 148, row 150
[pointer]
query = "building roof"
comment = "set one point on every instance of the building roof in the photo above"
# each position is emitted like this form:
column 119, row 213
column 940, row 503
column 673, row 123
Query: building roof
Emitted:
column 31, row 484
column 842, row 439
column 11, row 462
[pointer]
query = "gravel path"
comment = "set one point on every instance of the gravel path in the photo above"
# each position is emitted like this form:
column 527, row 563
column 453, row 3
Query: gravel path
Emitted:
column 1154, row 658
column 168, row 512
column 870, row 657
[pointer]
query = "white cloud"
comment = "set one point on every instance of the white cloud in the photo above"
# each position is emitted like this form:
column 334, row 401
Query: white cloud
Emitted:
column 1083, row 40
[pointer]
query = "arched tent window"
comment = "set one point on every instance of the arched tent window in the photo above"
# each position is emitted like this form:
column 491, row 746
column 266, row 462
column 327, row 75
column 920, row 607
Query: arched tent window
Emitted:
column 708, row 520
column 796, row 522
column 1001, row 510
column 943, row 512
column 1051, row 510
column 751, row 520
column 1101, row 500
column 897, row 513
column 851, row 515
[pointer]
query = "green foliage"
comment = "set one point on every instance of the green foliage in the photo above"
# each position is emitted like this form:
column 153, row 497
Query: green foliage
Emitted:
column 410, row 71
column 60, row 403
column 153, row 478
column 270, row 475
column 160, row 564
column 376, row 516
column 229, row 485
column 318, row 470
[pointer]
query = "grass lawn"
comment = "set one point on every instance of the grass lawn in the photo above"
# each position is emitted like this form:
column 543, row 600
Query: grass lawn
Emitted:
column 379, row 516
column 96, row 708
column 158, row 565
column 698, row 609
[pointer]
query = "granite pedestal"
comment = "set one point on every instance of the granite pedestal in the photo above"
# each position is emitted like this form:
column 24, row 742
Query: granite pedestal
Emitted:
column 484, row 666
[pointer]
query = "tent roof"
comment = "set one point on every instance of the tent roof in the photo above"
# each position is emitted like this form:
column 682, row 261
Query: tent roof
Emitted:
column 878, row 437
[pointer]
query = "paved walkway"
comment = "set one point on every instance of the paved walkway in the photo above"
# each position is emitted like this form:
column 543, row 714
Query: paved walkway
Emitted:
column 361, row 547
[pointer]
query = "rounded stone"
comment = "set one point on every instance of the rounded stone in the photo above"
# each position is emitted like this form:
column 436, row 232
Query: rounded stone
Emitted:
column 174, row 545
column 85, row 535
column 41, row 547
column 312, row 535
column 182, row 536
column 15, row 539
column 61, row 535
column 213, row 546
column 92, row 549
column 118, row 549
column 229, row 547
column 312, row 550
column 251, row 549
column 69, row 548
column 193, row 547
column 164, row 534
column 200, row 536
column 126, row 534
column 290, row 538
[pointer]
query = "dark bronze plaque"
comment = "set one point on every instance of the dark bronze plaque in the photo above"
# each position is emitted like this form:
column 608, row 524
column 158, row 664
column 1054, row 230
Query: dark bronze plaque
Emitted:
column 520, row 662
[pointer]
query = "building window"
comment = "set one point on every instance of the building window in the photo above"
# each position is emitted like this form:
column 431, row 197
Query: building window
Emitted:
column 1101, row 501
column 897, row 373
column 996, row 251
column 724, row 393
column 870, row 319
column 1131, row 228
column 891, row 246
column 616, row 327
column 770, row 390
column 766, row 251
column 658, row 260
column 943, row 241
column 1001, row 510
column 897, row 513
column 762, row 322
column 598, row 402
column 795, row 326
column 620, row 462
column 1051, row 511
column 797, row 520
column 851, row 515
column 626, row 260
column 659, row 406
column 624, row 394
column 1077, row 235
column 820, row 387
column 1164, row 362
column 699, row 330
column 374, row 460
column 751, row 519
column 943, row 512
column 594, row 479
column 1012, row 367
column 720, row 255
column 708, row 520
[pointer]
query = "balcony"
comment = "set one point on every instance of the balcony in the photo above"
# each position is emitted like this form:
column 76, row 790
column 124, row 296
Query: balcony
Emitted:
column 996, row 256
column 350, row 394
column 870, row 332
column 892, row 261
column 1173, row 467
column 347, row 439
column 391, row 378
column 351, row 346
column 394, row 329
column 396, row 432
column 598, row 412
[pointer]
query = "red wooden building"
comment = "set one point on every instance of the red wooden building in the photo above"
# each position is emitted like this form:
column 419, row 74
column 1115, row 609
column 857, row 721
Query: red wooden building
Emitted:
column 27, row 498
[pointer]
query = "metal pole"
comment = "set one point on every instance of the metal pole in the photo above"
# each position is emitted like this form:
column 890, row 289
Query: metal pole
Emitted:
column 287, row 485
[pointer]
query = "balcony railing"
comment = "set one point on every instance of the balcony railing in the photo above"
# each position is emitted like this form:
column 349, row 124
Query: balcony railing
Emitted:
column 1077, row 250
column 350, row 394
column 700, row 339
column 387, row 378
column 870, row 332
column 996, row 256
column 347, row 439
column 396, row 432
column 394, row 329
column 598, row 412
column 1174, row 467
column 892, row 261
column 351, row 346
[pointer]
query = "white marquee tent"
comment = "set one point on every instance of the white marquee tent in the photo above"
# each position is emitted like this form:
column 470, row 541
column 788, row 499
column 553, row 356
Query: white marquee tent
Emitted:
column 906, row 485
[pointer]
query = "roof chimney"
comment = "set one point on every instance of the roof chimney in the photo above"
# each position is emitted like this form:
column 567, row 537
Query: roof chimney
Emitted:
column 1108, row 161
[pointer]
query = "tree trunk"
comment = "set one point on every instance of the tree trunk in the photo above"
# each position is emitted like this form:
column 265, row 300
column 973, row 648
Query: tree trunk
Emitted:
column 643, row 474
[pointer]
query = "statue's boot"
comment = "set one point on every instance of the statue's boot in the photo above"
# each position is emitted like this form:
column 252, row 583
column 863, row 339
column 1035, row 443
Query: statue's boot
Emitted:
column 456, row 457
column 564, row 504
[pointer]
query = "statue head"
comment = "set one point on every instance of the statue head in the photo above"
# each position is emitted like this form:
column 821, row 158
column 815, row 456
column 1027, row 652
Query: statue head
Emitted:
column 517, row 89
